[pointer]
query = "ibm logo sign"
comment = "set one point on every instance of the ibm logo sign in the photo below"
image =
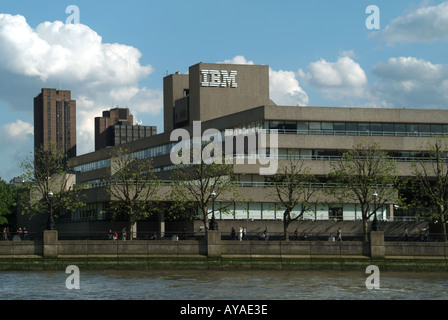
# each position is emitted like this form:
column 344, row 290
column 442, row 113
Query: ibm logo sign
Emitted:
column 216, row 78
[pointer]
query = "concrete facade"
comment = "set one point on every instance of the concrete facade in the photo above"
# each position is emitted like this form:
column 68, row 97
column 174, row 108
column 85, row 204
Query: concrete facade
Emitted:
column 227, row 96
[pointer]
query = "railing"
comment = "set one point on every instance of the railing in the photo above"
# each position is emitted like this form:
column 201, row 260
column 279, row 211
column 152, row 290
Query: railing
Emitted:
column 357, row 133
column 18, row 236
column 424, row 236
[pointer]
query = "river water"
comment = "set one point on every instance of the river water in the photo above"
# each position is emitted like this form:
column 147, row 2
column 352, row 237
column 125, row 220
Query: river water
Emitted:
column 221, row 285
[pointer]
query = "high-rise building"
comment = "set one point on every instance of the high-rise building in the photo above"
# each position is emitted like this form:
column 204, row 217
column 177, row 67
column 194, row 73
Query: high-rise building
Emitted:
column 55, row 121
column 116, row 127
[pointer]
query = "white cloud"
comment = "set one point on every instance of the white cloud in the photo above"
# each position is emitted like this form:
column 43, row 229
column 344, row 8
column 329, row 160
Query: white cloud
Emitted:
column 238, row 60
column 100, row 75
column 16, row 132
column 340, row 80
column 284, row 88
column 16, row 144
column 424, row 24
column 411, row 82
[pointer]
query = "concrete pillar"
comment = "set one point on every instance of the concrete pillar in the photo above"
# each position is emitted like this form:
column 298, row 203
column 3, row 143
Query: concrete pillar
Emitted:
column 214, row 243
column 391, row 212
column 377, row 248
column 50, row 249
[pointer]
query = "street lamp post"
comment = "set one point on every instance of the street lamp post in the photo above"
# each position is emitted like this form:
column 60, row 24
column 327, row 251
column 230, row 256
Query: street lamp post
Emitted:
column 213, row 224
column 375, row 220
column 50, row 223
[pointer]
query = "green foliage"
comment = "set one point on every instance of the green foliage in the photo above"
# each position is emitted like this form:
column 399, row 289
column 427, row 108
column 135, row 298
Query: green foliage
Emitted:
column 195, row 184
column 48, row 171
column 365, row 174
column 133, row 186
column 431, row 173
column 8, row 196
column 293, row 186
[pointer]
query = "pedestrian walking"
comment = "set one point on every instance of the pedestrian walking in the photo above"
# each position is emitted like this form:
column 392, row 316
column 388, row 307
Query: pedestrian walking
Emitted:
column 245, row 234
column 240, row 235
column 232, row 234
column 339, row 234
column 406, row 234
column 266, row 234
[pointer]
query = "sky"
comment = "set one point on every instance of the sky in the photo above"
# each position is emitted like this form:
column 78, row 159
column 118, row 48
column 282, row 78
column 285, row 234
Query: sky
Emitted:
column 115, row 53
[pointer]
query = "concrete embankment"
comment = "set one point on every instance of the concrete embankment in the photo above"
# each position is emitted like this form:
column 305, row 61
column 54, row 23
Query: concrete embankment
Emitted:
column 212, row 253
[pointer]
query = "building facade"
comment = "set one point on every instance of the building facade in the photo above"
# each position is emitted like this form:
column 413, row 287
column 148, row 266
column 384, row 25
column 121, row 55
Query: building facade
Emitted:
column 228, row 96
column 55, row 121
column 116, row 127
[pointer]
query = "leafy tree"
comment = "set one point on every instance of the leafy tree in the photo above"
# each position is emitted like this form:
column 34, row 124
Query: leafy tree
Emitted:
column 8, row 197
column 366, row 175
column 133, row 187
column 197, row 185
column 431, row 172
column 293, row 187
column 49, row 184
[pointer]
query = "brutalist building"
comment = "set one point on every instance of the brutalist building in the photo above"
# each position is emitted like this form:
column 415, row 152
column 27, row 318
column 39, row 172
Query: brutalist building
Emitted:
column 236, row 97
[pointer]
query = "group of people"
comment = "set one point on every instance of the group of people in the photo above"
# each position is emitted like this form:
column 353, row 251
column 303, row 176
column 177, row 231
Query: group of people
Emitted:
column 242, row 234
column 22, row 234
column 114, row 235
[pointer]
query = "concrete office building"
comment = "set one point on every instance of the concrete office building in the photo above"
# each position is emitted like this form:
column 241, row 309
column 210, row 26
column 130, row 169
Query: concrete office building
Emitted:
column 116, row 126
column 228, row 96
column 55, row 120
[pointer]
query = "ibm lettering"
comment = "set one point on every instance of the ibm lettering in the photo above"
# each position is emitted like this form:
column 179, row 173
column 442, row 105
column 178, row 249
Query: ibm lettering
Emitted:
column 216, row 78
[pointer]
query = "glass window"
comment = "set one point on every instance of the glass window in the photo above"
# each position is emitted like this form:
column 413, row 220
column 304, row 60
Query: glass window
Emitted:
column 290, row 126
column 376, row 128
column 424, row 129
column 445, row 128
column 412, row 129
column 276, row 125
column 302, row 127
column 255, row 210
column 268, row 210
column 327, row 127
column 436, row 129
column 339, row 127
column 315, row 127
column 306, row 154
column 400, row 129
column 241, row 211
column 388, row 129
column 363, row 128
column 225, row 209
column 352, row 128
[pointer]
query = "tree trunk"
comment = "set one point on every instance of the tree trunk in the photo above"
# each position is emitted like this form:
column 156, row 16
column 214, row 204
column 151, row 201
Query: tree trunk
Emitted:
column 130, row 230
column 365, row 229
column 442, row 220
column 286, row 222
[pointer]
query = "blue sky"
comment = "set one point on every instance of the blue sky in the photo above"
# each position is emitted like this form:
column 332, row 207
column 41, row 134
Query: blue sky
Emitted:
column 320, row 53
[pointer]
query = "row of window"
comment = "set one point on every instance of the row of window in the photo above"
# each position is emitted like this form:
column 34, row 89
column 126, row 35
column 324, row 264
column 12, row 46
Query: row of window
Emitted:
column 93, row 166
column 357, row 128
column 307, row 127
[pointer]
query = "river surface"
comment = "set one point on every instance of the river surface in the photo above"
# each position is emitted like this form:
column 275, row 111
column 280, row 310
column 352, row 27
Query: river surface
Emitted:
column 221, row 285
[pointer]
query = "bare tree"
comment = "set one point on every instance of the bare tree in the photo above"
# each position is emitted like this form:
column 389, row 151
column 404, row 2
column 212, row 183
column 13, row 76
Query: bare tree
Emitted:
column 293, row 187
column 133, row 187
column 431, row 171
column 366, row 175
